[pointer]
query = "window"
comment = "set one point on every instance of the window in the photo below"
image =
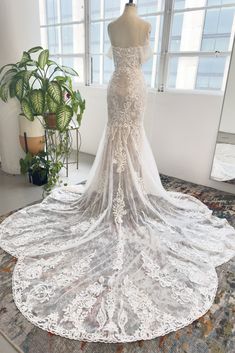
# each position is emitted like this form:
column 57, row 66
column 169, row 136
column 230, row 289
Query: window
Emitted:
column 191, row 39
column 200, row 43
column 104, row 11
column 62, row 31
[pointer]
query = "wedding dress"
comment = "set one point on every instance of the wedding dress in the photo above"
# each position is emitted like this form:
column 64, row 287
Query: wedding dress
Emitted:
column 123, row 259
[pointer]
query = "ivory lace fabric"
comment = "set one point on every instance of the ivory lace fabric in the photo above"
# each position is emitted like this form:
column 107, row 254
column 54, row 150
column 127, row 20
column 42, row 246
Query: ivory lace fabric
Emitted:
column 123, row 259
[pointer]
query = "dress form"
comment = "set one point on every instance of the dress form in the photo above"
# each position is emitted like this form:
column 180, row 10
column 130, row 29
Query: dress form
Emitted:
column 129, row 29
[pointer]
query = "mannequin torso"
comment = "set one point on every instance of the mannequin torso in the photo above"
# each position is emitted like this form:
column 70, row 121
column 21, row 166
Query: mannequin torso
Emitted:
column 129, row 29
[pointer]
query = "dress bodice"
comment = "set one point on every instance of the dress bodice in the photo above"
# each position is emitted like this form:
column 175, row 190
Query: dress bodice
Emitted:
column 129, row 57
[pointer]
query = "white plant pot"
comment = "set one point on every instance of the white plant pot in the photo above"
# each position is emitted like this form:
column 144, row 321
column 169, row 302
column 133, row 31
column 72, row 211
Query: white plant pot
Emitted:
column 34, row 134
column 10, row 150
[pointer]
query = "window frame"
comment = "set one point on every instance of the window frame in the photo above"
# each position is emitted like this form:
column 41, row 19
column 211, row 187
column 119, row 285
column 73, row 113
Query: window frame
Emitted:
column 61, row 24
column 165, row 54
column 169, row 12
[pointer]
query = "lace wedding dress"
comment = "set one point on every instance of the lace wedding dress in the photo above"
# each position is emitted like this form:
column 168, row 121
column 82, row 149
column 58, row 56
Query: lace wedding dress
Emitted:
column 123, row 259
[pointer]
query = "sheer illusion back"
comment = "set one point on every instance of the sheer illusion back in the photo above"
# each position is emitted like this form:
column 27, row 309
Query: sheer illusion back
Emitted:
column 123, row 259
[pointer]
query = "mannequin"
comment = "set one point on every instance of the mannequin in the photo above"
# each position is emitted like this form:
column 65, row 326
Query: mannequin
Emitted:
column 129, row 29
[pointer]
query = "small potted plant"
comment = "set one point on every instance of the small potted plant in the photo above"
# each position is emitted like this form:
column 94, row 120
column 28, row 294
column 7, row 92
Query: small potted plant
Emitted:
column 36, row 166
column 41, row 170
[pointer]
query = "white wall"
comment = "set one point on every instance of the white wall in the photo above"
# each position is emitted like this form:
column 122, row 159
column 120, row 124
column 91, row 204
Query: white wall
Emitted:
column 19, row 31
column 181, row 127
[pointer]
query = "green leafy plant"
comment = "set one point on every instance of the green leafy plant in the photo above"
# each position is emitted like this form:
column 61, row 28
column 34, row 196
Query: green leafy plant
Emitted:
column 46, row 169
column 35, row 164
column 42, row 86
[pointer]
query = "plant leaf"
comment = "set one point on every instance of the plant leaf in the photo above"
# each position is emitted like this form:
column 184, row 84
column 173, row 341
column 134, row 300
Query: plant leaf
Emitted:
column 52, row 106
column 64, row 115
column 34, row 49
column 27, row 75
column 43, row 58
column 26, row 109
column 69, row 70
column 32, row 63
column 12, row 90
column 8, row 75
column 60, row 78
column 37, row 101
column 19, row 88
column 3, row 67
column 52, row 62
column 25, row 57
column 4, row 92
column 82, row 108
column 54, row 91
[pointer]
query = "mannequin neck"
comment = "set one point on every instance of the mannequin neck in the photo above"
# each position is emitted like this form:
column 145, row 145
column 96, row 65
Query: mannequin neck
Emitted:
column 130, row 9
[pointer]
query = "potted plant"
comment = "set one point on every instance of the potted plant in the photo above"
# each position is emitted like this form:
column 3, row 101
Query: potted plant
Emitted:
column 44, row 88
column 12, row 79
column 41, row 170
column 45, row 92
column 36, row 166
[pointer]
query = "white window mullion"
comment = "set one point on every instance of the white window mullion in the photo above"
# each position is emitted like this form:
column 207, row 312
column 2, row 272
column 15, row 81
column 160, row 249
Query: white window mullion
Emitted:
column 60, row 31
column 212, row 7
column 42, row 12
column 101, row 41
column 162, row 74
column 155, row 58
column 87, row 56
column 43, row 20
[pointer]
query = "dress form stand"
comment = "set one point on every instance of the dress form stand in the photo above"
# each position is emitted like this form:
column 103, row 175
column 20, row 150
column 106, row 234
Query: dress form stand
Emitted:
column 129, row 29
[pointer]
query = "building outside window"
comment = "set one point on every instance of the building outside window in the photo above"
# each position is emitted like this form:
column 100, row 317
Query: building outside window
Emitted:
column 62, row 32
column 191, row 39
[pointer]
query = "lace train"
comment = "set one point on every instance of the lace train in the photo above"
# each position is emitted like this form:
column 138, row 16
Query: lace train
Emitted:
column 121, row 259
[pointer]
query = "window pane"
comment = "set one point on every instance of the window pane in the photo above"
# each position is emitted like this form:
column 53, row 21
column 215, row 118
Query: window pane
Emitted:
column 72, row 38
column 51, row 10
column 156, row 31
column 176, row 32
column 206, row 73
column 108, row 69
column 66, row 10
column 77, row 64
column 111, row 8
column 95, row 10
column 219, row 2
column 149, row 6
column 53, row 39
column 217, row 29
column 187, row 4
column 182, row 72
column 186, row 26
column 156, row 66
column 172, row 72
column 95, row 68
column 106, row 37
column 95, row 31
column 147, row 68
column 72, row 10
column 210, row 73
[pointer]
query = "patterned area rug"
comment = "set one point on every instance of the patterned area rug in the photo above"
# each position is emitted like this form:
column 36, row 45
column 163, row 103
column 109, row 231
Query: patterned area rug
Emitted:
column 212, row 333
